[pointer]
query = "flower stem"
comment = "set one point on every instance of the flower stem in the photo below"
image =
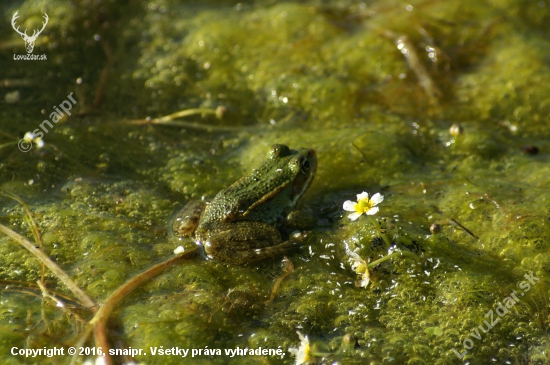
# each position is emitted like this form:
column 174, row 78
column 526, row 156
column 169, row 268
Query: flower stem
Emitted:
column 384, row 236
column 392, row 255
column 8, row 144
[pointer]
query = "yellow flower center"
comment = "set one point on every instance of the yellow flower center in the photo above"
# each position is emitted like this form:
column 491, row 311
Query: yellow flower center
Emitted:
column 363, row 205
column 361, row 268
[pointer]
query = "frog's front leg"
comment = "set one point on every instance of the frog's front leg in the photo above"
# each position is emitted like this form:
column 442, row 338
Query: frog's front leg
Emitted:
column 242, row 242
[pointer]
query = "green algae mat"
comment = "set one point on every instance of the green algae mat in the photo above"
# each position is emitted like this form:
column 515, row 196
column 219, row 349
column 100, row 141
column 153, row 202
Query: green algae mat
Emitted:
column 113, row 115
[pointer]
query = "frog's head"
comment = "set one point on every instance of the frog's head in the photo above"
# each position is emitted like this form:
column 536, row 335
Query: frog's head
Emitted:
column 297, row 166
column 275, row 186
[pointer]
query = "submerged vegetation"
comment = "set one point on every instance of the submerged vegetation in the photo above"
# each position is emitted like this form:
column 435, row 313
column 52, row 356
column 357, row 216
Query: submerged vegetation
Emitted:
column 441, row 106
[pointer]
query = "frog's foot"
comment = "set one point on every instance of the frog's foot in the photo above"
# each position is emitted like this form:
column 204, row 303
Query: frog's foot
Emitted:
column 252, row 255
column 299, row 236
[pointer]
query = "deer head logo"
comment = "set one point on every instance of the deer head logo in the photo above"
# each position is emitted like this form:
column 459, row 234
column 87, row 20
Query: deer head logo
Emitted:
column 29, row 41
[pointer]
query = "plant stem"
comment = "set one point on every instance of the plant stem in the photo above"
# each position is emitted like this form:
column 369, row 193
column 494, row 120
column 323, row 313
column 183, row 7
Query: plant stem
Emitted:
column 31, row 223
column 384, row 236
column 392, row 255
column 99, row 321
column 8, row 144
column 57, row 271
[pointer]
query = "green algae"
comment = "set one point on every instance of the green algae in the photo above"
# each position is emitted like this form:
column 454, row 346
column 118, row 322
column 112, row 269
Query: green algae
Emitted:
column 319, row 74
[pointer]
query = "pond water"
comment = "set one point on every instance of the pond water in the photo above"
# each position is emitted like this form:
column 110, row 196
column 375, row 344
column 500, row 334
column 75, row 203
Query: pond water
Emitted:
column 440, row 106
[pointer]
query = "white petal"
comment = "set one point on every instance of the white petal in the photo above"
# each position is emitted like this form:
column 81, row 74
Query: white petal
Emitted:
column 349, row 206
column 39, row 142
column 363, row 195
column 377, row 198
column 353, row 256
column 354, row 216
column 29, row 136
column 365, row 280
column 372, row 211
column 179, row 250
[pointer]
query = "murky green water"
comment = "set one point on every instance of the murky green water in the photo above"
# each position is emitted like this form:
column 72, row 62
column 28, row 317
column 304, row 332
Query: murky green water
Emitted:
column 373, row 87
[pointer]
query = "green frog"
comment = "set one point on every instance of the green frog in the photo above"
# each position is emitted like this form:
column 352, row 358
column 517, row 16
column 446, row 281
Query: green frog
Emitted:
column 243, row 223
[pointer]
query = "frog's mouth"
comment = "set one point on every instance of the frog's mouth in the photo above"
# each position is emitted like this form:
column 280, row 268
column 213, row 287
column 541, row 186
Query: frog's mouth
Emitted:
column 304, row 179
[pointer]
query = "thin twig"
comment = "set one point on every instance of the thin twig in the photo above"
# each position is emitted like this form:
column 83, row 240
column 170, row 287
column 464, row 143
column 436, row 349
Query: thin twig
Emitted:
column 15, row 82
column 58, row 303
column 23, row 291
column 31, row 222
column 194, row 125
column 183, row 113
column 80, row 343
column 360, row 151
column 23, row 285
column 7, row 144
column 169, row 120
column 287, row 270
column 464, row 228
column 104, row 76
column 57, row 271
column 405, row 46
column 99, row 321
column 424, row 79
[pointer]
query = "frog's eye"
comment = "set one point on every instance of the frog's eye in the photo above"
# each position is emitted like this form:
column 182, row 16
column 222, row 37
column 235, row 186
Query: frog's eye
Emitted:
column 304, row 165
column 279, row 150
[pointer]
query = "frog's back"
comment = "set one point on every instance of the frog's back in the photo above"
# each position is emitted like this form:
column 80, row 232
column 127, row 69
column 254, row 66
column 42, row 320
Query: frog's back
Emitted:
column 265, row 194
column 247, row 199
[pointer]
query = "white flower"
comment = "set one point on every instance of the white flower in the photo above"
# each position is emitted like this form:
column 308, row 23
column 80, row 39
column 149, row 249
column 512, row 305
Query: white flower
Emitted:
column 364, row 205
column 303, row 353
column 31, row 137
column 360, row 267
